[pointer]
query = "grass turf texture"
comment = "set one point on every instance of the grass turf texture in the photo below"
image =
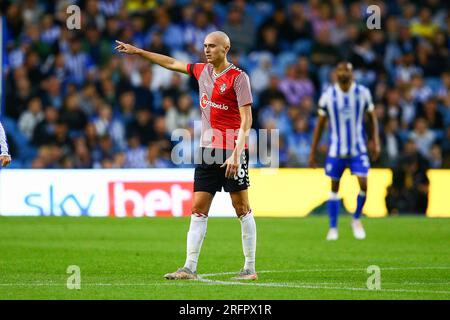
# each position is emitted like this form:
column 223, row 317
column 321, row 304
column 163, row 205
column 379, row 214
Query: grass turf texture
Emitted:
column 127, row 258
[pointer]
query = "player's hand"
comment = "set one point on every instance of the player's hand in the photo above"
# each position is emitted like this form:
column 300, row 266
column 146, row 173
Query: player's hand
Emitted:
column 126, row 48
column 312, row 161
column 5, row 160
column 232, row 164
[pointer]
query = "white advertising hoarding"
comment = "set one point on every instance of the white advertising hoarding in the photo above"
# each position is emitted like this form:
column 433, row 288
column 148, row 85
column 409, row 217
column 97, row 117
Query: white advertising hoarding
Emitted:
column 102, row 193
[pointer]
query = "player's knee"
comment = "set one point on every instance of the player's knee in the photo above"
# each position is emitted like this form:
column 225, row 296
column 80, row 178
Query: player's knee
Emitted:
column 199, row 210
column 363, row 186
column 241, row 208
column 335, row 185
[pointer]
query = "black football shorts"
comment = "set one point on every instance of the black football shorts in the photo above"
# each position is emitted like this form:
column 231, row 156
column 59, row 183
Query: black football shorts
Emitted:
column 210, row 177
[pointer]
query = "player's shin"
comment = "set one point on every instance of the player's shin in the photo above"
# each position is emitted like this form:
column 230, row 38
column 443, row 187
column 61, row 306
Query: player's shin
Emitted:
column 359, row 204
column 248, row 228
column 195, row 236
column 333, row 209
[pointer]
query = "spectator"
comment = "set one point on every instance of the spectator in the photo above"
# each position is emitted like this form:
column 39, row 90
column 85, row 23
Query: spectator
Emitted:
column 98, row 48
column 260, row 76
column 391, row 143
column 422, row 136
column 72, row 114
column 431, row 113
column 105, row 124
column 110, row 7
column 158, row 45
column 142, row 126
column 89, row 99
column 127, row 106
column 408, row 192
column 155, row 158
column 30, row 118
column 393, row 108
column 269, row 40
column 435, row 157
column 277, row 22
column 19, row 98
column 105, row 150
column 172, row 34
column 175, row 89
column 424, row 27
column 419, row 90
column 323, row 52
column 240, row 29
column 77, row 62
column 324, row 21
column 299, row 26
column 50, row 31
column 44, row 132
column 195, row 33
column 135, row 156
column 276, row 113
column 296, row 85
column 52, row 93
column 181, row 116
column 299, row 143
column 271, row 92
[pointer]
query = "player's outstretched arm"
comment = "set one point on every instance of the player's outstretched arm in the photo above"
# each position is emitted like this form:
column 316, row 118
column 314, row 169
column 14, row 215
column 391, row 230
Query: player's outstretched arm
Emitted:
column 316, row 137
column 374, row 146
column 160, row 59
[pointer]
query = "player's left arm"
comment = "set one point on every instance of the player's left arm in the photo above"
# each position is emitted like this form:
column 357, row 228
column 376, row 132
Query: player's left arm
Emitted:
column 232, row 162
column 5, row 158
column 374, row 142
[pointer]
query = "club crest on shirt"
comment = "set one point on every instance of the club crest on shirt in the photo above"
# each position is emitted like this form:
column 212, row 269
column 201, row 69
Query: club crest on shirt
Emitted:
column 223, row 87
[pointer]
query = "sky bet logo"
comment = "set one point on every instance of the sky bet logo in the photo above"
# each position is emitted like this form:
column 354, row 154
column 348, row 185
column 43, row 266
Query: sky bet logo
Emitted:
column 54, row 204
column 119, row 199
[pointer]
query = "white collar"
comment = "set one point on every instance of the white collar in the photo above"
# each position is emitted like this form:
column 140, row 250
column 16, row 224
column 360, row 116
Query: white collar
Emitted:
column 226, row 69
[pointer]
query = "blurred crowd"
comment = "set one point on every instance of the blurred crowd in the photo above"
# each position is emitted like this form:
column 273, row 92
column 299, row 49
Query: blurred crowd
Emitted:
column 73, row 102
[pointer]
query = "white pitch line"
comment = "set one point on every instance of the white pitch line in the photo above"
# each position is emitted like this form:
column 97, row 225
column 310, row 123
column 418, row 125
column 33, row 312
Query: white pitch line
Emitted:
column 290, row 285
column 203, row 278
column 327, row 270
column 49, row 284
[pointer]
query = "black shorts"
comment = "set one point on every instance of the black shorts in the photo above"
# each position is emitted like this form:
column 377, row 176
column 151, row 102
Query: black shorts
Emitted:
column 210, row 177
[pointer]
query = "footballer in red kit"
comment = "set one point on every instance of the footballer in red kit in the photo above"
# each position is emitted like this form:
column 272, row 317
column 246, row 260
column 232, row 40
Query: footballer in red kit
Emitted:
column 220, row 97
column 225, row 104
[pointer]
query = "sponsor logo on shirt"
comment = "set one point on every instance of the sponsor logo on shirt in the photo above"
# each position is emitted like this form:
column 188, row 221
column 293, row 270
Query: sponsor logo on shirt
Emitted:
column 205, row 102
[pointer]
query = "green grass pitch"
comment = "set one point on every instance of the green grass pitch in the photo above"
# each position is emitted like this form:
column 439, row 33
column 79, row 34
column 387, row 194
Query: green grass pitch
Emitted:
column 127, row 258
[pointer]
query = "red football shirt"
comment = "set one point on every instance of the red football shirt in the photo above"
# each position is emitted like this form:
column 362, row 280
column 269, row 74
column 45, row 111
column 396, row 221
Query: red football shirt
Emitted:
column 221, row 95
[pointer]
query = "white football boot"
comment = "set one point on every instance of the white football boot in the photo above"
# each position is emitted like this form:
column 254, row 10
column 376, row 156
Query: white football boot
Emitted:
column 181, row 274
column 333, row 234
column 246, row 274
column 358, row 229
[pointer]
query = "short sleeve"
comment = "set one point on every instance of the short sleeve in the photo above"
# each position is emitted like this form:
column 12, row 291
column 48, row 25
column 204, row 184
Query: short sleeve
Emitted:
column 195, row 69
column 369, row 106
column 243, row 90
column 322, row 105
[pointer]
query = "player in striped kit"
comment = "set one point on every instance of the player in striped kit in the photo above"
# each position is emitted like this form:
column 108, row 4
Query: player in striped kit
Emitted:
column 225, row 105
column 5, row 158
column 344, row 105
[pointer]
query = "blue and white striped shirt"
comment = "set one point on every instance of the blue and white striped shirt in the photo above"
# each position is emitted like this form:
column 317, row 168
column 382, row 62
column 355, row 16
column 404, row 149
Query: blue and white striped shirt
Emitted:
column 3, row 143
column 345, row 111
